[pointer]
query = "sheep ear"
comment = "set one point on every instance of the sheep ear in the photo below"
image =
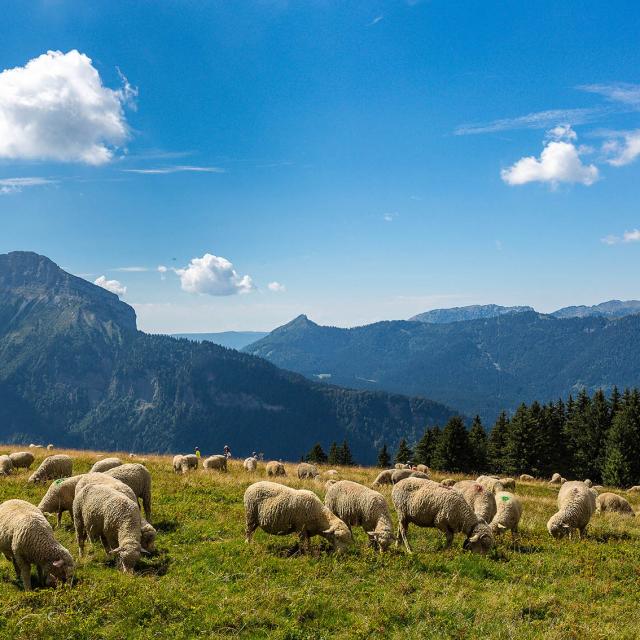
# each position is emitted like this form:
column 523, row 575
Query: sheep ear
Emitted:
column 58, row 563
column 145, row 552
column 501, row 526
column 474, row 538
column 114, row 551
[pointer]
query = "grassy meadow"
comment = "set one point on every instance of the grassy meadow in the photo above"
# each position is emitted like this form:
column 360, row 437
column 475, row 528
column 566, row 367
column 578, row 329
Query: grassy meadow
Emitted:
column 206, row 582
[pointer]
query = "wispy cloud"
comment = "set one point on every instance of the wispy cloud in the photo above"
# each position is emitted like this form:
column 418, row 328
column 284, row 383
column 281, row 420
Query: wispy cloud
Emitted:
column 375, row 20
column 623, row 92
column 390, row 216
column 276, row 287
column 622, row 148
column 15, row 185
column 131, row 269
column 627, row 237
column 175, row 169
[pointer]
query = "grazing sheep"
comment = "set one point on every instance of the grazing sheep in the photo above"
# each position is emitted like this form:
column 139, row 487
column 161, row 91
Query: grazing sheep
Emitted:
column 275, row 468
column 306, row 470
column 26, row 538
column 35, row 446
column 448, row 482
column 104, row 465
column 101, row 512
column 525, row 477
column 281, row 510
column 634, row 489
column 331, row 473
column 6, row 465
column 429, row 504
column 598, row 488
column 359, row 506
column 481, row 500
column 384, row 477
column 588, row 483
column 53, row 468
column 556, row 478
column 508, row 483
column 401, row 465
column 177, row 463
column 612, row 502
column 147, row 536
column 49, row 447
column 490, row 483
column 508, row 514
column 22, row 459
column 423, row 469
column 563, row 480
column 59, row 497
column 217, row 462
column 182, row 464
column 250, row 464
column 401, row 474
column 137, row 477
column 576, row 504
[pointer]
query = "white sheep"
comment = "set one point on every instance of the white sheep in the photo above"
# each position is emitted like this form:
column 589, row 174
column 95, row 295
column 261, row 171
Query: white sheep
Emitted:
column 281, row 510
column 104, row 465
column 508, row 483
column 26, row 538
column 102, row 513
column 359, row 506
column 612, row 502
column 402, row 465
column 480, row 499
column 177, row 463
column 401, row 474
column 525, row 477
column 306, row 470
column 59, row 497
column 275, row 468
column 634, row 489
column 331, row 473
column 53, row 468
column 182, row 464
column 137, row 477
column 384, row 477
column 22, row 459
column 423, row 469
column 429, row 504
column 6, row 465
column 217, row 462
column 250, row 464
column 576, row 505
column 490, row 483
column 508, row 514
column 556, row 478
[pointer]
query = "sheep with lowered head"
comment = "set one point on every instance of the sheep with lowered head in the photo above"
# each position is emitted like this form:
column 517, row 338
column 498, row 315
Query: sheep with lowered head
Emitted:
column 423, row 469
column 281, row 510
column 177, row 463
column 22, row 459
column 53, row 468
column 576, row 505
column 6, row 465
column 613, row 503
column 481, row 500
column 384, row 477
column 556, row 478
column 525, row 477
column 217, row 462
column 401, row 474
column 508, row 483
column 182, row 464
column 275, row 468
column 26, row 538
column 490, row 483
column 429, row 504
column 105, row 464
column 137, row 477
column 402, row 465
column 359, row 506
column 508, row 513
column 250, row 464
column 59, row 497
column 306, row 470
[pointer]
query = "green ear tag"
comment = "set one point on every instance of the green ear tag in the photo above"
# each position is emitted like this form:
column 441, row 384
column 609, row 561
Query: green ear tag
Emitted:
column 505, row 498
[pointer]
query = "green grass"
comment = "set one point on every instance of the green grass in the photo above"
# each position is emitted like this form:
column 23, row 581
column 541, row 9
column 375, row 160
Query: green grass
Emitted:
column 206, row 582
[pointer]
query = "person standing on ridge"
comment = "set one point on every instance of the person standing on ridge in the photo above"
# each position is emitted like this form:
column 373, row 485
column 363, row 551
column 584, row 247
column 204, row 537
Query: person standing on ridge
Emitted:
column 227, row 451
column 197, row 452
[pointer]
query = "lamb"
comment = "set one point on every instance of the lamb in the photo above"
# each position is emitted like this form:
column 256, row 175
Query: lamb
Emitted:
column 614, row 503
column 423, row 469
column 359, row 506
column 6, row 465
column 401, row 474
column 429, row 504
column 491, row 484
column 481, row 500
column 53, row 468
column 525, row 477
column 306, row 470
column 106, row 464
column 26, row 538
column 218, row 462
column 137, row 477
column 576, row 504
column 250, row 464
column 508, row 514
column 59, row 497
column 275, row 468
column 281, row 510
column 22, row 459
column 106, row 514
column 384, row 477
column 448, row 482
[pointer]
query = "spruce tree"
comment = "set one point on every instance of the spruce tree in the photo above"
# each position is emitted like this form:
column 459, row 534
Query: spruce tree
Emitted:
column 452, row 452
column 317, row 454
column 426, row 446
column 478, row 446
column 384, row 459
column 335, row 456
column 404, row 453
column 345, row 455
column 497, row 443
column 621, row 466
column 523, row 450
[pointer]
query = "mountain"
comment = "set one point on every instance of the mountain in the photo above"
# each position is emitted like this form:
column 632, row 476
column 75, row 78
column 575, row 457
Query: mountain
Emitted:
column 229, row 339
column 472, row 312
column 610, row 309
column 75, row 371
column 478, row 366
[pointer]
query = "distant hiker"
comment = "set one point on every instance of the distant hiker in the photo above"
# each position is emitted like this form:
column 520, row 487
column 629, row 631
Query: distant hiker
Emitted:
column 197, row 452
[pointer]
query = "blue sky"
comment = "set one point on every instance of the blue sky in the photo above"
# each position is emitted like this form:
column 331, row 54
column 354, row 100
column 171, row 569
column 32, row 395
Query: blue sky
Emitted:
column 368, row 160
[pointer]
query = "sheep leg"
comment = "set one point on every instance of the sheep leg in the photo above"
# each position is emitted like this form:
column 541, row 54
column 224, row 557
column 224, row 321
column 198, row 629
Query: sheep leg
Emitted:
column 81, row 536
column 449, row 538
column 402, row 533
column 249, row 530
column 305, row 544
column 583, row 532
column 59, row 519
column 25, row 572
column 41, row 576
column 146, row 503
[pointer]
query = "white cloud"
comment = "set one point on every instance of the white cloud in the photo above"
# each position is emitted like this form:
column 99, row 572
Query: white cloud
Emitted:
column 623, row 92
column 175, row 169
column 162, row 268
column 622, row 149
column 131, row 269
column 376, row 20
column 558, row 162
column 214, row 276
column 277, row 287
column 390, row 217
column 561, row 132
column 56, row 108
column 111, row 285
column 627, row 237
column 15, row 185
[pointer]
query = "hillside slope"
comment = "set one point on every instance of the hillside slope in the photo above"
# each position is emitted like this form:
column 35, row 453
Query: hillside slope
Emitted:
column 75, row 371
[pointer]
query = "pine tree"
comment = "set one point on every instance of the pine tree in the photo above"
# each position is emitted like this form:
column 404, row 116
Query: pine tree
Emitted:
column 345, row 455
column 452, row 452
column 404, row 453
column 335, row 456
column 426, row 446
column 317, row 454
column 497, row 443
column 523, row 450
column 478, row 446
column 384, row 459
column 621, row 467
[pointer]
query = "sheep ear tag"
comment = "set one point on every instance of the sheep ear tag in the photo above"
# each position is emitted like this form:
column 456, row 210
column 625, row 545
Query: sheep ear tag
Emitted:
column 505, row 498
column 60, row 481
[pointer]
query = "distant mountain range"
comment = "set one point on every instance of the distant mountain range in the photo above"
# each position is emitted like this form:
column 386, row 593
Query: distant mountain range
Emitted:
column 610, row 309
column 229, row 339
column 75, row 371
column 479, row 366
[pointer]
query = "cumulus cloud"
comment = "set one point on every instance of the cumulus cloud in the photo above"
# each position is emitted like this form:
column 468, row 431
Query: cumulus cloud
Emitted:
column 276, row 287
column 111, row 285
column 15, row 185
column 627, row 237
column 56, row 108
column 214, row 276
column 559, row 162
column 622, row 149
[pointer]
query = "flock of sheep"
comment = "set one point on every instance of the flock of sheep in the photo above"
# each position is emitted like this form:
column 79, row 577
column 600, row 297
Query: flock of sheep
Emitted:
column 104, row 505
